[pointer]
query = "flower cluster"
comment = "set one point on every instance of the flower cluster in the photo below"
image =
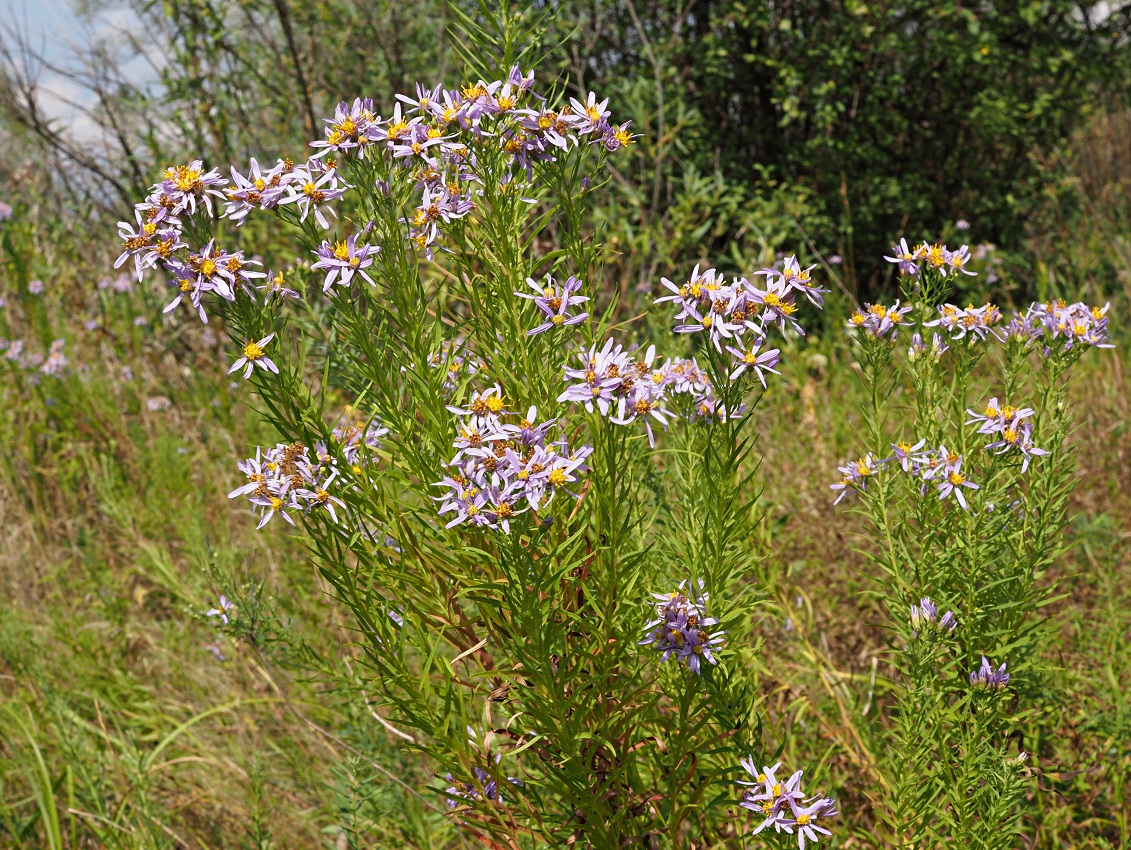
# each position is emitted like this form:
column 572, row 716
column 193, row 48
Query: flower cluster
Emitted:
column 555, row 302
column 158, row 238
column 942, row 468
column 54, row 365
column 729, row 311
column 926, row 613
column 502, row 469
column 1011, row 428
column 620, row 386
column 1077, row 324
column 987, row 677
column 879, row 321
column 938, row 258
column 440, row 134
column 784, row 805
column 484, row 788
column 976, row 322
column 285, row 478
column 680, row 628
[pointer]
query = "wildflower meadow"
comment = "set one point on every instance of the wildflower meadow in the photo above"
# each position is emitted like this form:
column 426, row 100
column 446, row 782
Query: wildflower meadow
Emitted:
column 449, row 468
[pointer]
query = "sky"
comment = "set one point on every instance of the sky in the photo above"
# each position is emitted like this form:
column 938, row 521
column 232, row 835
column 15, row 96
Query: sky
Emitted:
column 54, row 30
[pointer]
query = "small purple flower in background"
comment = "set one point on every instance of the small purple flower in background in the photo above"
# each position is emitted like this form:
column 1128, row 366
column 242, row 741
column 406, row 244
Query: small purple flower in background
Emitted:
column 254, row 355
column 56, row 362
column 680, row 628
column 987, row 677
column 222, row 611
column 5, row 211
column 91, row 324
column 157, row 404
column 216, row 651
column 35, row 287
column 835, row 260
column 962, row 224
column 783, row 805
column 555, row 301
column 140, row 322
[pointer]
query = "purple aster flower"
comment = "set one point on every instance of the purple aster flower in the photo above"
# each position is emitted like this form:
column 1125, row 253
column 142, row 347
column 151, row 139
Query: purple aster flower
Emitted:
column 5, row 211
column 258, row 190
column 225, row 606
column 312, row 190
column 953, row 481
column 188, row 185
column 554, row 302
column 276, row 287
column 343, row 259
column 987, row 677
column 348, row 128
column 903, row 453
column 592, row 113
column 974, row 321
column 783, row 805
column 855, row 475
column 905, row 258
column 879, row 321
column 680, row 628
column 755, row 360
column 617, row 136
column 254, row 355
column 424, row 100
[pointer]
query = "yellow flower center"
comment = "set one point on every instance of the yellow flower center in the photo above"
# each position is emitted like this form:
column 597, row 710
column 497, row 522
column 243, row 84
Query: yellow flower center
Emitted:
column 956, row 478
column 252, row 351
column 185, row 179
